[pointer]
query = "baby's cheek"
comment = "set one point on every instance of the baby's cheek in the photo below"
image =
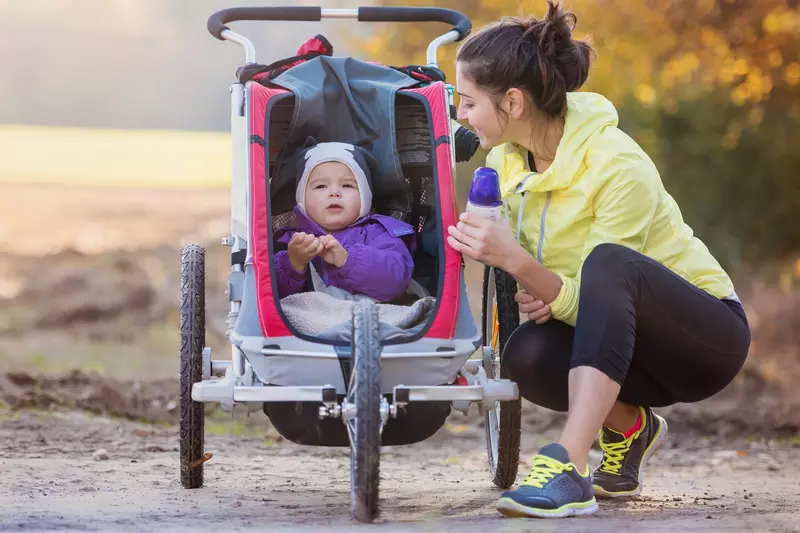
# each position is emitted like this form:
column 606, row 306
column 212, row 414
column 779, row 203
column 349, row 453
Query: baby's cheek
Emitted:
column 313, row 203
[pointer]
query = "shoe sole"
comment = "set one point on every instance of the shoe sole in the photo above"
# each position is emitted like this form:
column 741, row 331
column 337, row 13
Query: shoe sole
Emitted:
column 651, row 450
column 512, row 509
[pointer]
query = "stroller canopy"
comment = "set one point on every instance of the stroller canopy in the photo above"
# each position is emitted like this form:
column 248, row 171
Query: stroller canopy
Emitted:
column 344, row 100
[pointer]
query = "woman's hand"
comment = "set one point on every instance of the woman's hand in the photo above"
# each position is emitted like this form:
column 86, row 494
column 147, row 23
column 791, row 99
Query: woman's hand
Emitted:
column 536, row 310
column 492, row 243
column 487, row 241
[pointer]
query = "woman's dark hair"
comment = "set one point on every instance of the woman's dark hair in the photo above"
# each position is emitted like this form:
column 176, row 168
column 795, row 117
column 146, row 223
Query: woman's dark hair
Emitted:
column 538, row 56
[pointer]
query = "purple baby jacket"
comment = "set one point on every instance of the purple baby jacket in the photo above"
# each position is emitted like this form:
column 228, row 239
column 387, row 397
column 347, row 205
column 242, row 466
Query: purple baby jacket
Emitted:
column 379, row 258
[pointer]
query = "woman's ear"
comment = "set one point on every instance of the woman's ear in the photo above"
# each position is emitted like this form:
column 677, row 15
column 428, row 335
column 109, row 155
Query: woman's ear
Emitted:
column 514, row 103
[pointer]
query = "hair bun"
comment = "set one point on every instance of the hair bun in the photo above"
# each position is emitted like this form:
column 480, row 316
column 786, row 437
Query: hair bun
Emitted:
column 552, row 36
column 552, row 32
column 538, row 55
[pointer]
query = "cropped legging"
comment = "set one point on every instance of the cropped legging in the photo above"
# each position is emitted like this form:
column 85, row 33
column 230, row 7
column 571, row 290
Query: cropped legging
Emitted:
column 661, row 338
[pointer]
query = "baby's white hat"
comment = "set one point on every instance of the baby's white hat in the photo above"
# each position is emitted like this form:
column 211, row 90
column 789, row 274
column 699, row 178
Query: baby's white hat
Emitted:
column 355, row 156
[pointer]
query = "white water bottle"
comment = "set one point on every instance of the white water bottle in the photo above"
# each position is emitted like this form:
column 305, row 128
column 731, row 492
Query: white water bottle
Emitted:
column 484, row 194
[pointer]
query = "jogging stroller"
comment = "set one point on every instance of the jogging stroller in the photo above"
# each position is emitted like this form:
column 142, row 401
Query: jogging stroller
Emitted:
column 362, row 390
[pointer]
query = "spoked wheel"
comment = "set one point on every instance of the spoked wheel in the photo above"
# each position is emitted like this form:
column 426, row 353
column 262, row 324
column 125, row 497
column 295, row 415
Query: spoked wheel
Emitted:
column 500, row 319
column 365, row 427
column 193, row 337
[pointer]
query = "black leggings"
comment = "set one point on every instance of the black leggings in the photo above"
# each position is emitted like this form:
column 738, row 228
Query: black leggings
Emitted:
column 660, row 337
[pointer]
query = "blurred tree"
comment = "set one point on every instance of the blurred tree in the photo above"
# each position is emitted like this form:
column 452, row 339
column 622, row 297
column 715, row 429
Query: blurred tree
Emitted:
column 710, row 88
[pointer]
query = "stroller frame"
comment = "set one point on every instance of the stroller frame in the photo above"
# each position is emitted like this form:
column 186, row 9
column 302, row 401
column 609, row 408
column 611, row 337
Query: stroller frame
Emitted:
column 240, row 380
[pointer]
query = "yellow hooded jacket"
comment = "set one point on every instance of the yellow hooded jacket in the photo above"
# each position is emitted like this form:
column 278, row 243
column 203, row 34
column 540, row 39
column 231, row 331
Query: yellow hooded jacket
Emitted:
column 601, row 188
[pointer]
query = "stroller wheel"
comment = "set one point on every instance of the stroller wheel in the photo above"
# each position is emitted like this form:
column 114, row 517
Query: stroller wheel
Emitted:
column 193, row 337
column 500, row 319
column 365, row 428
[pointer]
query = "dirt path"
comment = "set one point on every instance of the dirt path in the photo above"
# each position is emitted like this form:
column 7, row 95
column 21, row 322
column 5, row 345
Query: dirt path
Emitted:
column 255, row 481
column 88, row 324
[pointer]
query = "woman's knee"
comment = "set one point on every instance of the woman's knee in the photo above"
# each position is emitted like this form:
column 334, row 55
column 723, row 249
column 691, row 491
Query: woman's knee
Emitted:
column 536, row 357
column 607, row 263
column 607, row 257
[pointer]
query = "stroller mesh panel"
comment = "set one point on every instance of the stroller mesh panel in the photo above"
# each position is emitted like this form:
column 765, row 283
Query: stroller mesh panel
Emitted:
column 284, row 219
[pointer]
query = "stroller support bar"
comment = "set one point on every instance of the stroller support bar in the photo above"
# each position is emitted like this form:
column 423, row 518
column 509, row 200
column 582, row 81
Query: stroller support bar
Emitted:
column 282, row 394
column 339, row 13
column 460, row 22
column 218, row 368
column 220, row 391
column 384, row 355
column 244, row 42
column 433, row 48
column 217, row 22
column 488, row 392
column 404, row 394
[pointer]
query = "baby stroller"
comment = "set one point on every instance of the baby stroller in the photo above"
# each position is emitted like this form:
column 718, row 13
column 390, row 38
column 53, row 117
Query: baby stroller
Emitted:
column 362, row 390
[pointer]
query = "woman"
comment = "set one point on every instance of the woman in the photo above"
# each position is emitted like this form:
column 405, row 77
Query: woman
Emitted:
column 627, row 309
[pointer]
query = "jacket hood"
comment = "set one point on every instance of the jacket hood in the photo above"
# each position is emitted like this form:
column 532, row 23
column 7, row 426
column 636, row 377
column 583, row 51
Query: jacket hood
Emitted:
column 588, row 114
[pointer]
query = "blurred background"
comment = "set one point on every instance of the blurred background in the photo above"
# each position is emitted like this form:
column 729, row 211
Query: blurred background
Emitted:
column 114, row 151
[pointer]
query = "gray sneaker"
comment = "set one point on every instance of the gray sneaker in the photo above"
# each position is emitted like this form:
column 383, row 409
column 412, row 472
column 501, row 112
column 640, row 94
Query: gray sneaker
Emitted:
column 620, row 473
column 553, row 489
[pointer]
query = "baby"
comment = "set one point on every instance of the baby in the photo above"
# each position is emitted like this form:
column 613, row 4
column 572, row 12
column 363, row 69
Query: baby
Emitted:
column 352, row 253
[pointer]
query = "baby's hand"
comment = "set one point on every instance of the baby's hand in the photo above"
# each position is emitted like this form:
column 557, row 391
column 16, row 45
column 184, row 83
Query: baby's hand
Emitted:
column 333, row 252
column 303, row 247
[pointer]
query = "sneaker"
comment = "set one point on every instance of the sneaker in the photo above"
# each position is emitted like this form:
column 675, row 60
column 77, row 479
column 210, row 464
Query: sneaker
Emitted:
column 620, row 473
column 553, row 489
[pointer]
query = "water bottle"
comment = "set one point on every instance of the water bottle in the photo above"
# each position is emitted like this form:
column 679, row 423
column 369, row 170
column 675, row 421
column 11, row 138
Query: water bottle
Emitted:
column 484, row 194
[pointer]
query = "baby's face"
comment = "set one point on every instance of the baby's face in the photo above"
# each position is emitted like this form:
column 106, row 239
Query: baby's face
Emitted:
column 332, row 198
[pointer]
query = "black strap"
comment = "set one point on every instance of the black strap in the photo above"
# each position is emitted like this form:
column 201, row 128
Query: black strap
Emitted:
column 441, row 140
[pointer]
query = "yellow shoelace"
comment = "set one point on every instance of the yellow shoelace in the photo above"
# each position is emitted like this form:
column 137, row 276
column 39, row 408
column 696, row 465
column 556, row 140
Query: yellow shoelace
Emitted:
column 613, row 454
column 544, row 469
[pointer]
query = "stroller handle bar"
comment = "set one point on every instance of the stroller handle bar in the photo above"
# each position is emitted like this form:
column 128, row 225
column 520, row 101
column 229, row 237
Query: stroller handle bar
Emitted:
column 460, row 22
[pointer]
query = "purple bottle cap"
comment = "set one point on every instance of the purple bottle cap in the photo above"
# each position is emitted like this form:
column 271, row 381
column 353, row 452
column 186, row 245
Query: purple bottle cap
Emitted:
column 485, row 188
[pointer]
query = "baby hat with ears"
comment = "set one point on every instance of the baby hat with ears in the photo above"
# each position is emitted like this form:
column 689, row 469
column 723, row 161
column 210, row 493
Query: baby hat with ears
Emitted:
column 356, row 156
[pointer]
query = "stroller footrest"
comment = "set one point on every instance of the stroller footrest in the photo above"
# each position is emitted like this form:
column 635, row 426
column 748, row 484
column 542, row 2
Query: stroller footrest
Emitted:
column 491, row 391
column 445, row 393
column 284, row 394
column 221, row 391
